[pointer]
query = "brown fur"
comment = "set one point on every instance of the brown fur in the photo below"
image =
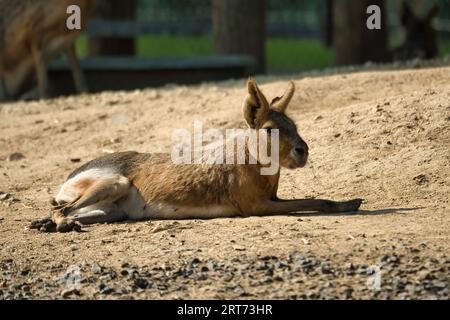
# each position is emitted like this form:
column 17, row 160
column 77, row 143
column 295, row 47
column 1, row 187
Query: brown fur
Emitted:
column 82, row 185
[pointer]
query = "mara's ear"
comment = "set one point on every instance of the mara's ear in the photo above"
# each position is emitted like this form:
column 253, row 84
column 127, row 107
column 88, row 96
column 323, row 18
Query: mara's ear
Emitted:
column 256, row 107
column 433, row 12
column 280, row 103
column 407, row 13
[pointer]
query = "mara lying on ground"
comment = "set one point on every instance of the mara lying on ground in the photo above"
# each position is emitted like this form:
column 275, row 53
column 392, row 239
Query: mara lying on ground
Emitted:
column 137, row 186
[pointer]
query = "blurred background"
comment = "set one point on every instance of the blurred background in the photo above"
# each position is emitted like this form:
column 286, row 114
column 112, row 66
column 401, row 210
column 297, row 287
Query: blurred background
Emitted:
column 142, row 43
column 296, row 34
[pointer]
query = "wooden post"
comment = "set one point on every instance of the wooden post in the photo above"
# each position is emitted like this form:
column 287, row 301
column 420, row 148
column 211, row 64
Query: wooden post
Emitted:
column 239, row 28
column 113, row 10
column 353, row 42
column 329, row 23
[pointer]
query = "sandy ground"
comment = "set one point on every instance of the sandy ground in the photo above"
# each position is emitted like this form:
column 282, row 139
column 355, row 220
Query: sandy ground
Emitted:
column 382, row 136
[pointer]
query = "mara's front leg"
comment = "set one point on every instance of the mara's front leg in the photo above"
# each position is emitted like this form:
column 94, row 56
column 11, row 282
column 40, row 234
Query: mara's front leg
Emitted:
column 41, row 69
column 275, row 207
column 77, row 72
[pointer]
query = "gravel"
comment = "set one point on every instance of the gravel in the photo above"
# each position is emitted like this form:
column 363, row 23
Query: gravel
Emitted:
column 304, row 276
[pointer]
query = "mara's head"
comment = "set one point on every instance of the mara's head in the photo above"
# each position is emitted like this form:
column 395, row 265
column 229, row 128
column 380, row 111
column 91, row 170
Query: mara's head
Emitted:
column 420, row 39
column 260, row 114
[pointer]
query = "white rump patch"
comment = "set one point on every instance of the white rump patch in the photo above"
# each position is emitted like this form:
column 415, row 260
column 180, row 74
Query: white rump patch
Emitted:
column 68, row 192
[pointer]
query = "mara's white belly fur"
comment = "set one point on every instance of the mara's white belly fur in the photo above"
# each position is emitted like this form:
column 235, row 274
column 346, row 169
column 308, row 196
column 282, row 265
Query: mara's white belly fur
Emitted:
column 137, row 209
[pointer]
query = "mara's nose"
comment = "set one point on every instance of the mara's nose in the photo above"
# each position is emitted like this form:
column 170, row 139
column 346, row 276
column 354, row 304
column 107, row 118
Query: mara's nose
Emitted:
column 301, row 151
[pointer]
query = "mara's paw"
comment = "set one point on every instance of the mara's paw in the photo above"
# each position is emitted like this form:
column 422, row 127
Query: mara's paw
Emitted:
column 67, row 225
column 43, row 225
column 351, row 205
column 53, row 202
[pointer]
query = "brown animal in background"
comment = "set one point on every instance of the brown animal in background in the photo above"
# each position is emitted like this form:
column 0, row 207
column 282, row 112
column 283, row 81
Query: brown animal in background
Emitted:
column 420, row 41
column 32, row 32
column 135, row 186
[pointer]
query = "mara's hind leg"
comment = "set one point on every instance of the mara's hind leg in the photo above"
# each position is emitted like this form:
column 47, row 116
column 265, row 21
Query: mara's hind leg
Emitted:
column 105, row 190
column 89, row 192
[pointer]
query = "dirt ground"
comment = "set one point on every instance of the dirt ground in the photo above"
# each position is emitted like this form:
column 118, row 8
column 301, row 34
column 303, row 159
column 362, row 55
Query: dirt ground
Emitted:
column 383, row 136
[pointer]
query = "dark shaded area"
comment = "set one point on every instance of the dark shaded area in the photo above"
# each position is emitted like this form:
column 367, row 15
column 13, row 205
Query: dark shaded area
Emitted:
column 114, row 10
column 128, row 73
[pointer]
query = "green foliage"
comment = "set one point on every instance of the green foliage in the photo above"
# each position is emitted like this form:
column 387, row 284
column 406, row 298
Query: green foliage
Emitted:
column 160, row 46
column 283, row 55
column 286, row 55
column 444, row 46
